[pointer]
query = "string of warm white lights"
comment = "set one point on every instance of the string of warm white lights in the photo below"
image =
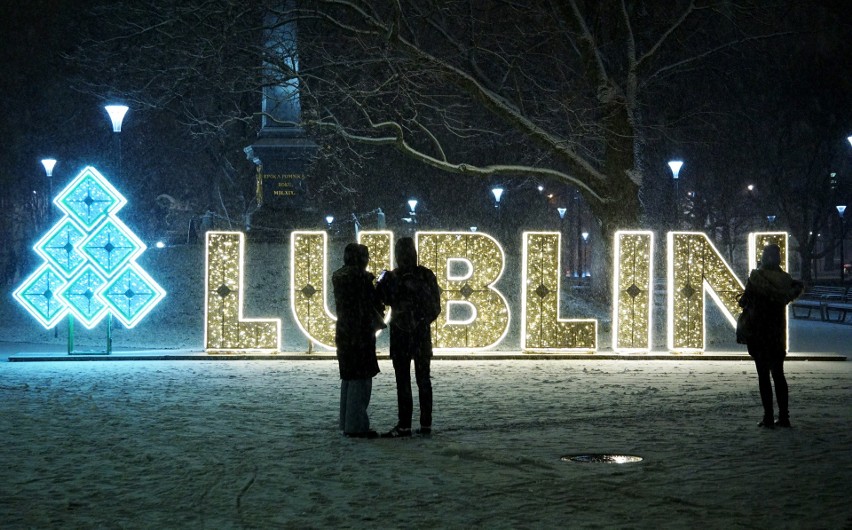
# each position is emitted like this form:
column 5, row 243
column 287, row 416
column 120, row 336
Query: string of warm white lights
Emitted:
column 475, row 315
column 541, row 327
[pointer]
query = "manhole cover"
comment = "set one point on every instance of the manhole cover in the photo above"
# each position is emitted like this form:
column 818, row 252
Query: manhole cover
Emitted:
column 602, row 459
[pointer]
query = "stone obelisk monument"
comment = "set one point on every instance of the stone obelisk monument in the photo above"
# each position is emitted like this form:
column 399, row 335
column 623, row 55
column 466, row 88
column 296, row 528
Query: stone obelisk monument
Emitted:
column 282, row 150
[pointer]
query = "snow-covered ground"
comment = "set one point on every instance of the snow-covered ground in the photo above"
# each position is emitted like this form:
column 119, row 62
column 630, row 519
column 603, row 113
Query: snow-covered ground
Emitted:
column 254, row 444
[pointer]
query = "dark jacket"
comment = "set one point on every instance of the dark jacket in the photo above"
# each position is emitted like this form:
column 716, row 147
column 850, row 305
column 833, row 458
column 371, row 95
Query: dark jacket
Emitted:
column 357, row 306
column 769, row 290
column 413, row 294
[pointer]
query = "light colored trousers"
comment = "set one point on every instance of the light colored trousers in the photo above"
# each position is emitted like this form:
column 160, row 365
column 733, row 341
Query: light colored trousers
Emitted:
column 354, row 400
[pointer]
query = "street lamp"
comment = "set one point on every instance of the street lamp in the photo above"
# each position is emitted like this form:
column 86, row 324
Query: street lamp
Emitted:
column 329, row 219
column 841, row 209
column 583, row 256
column 116, row 116
column 498, row 192
column 49, row 164
column 412, row 205
column 850, row 139
column 771, row 219
column 675, row 166
column 562, row 213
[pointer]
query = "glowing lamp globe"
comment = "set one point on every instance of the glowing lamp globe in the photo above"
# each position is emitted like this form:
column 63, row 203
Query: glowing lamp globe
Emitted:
column 49, row 164
column 562, row 212
column 841, row 209
column 116, row 115
column 412, row 204
column 498, row 192
column 675, row 165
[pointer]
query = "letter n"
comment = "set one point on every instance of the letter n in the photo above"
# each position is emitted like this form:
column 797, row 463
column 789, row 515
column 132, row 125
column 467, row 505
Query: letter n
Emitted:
column 695, row 267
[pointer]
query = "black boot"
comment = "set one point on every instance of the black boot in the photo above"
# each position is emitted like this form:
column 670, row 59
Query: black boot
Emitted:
column 767, row 422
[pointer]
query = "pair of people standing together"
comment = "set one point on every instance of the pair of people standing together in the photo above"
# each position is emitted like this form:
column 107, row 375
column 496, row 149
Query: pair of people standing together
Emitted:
column 412, row 292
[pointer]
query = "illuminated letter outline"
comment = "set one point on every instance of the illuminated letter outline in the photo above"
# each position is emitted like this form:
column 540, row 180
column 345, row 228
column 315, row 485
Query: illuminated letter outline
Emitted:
column 644, row 287
column 566, row 330
column 208, row 293
column 756, row 242
column 380, row 243
column 431, row 258
column 324, row 322
column 729, row 308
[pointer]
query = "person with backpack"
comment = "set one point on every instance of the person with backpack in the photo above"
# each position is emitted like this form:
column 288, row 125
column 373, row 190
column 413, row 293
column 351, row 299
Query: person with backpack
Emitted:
column 412, row 292
column 358, row 318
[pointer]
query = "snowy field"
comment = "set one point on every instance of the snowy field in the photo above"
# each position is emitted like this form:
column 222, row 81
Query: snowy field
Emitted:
column 254, row 444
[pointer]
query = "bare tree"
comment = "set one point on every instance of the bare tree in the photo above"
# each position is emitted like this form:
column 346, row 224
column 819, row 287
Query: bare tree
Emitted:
column 576, row 92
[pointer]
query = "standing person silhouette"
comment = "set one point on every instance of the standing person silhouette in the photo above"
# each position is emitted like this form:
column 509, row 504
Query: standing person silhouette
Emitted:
column 412, row 292
column 768, row 290
column 358, row 308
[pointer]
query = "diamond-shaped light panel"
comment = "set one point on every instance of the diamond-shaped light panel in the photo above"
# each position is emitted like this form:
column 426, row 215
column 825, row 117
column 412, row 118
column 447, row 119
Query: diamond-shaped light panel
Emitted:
column 38, row 295
column 132, row 294
column 59, row 246
column 111, row 246
column 81, row 296
column 89, row 198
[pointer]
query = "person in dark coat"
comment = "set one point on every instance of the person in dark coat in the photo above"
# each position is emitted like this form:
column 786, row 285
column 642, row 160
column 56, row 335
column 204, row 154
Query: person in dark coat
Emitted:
column 412, row 292
column 768, row 291
column 358, row 308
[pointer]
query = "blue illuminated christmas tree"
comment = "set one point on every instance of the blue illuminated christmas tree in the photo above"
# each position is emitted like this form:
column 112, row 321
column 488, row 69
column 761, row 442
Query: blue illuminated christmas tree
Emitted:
column 89, row 268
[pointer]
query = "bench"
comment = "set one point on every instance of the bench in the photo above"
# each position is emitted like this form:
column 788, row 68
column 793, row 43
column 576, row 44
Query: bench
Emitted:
column 836, row 309
column 819, row 297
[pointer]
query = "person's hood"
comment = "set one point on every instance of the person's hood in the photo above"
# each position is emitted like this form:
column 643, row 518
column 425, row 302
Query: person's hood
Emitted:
column 405, row 253
column 351, row 255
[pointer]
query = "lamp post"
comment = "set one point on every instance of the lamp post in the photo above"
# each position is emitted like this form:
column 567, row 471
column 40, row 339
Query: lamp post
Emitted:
column 498, row 193
column 116, row 117
column 49, row 164
column 585, row 246
column 562, row 212
column 329, row 219
column 771, row 219
column 841, row 209
column 675, row 166
column 412, row 207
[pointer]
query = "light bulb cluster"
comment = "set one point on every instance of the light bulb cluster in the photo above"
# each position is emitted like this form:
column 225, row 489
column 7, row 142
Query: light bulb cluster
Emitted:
column 475, row 290
column 309, row 286
column 696, row 267
column 633, row 291
column 542, row 329
column 225, row 329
